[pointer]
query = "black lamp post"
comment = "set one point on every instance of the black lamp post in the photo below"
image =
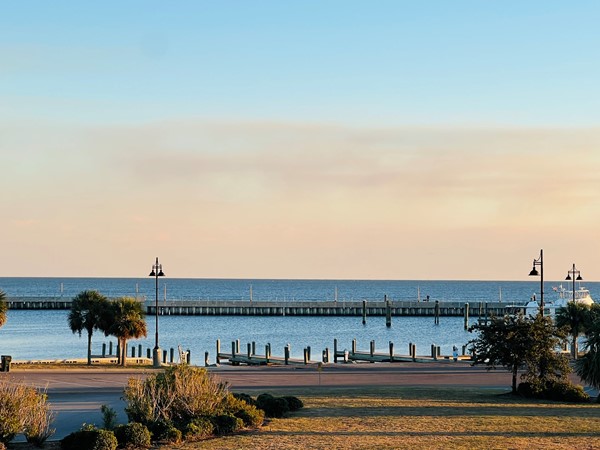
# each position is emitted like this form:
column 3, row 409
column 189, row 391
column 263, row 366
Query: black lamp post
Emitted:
column 156, row 272
column 574, row 272
column 534, row 273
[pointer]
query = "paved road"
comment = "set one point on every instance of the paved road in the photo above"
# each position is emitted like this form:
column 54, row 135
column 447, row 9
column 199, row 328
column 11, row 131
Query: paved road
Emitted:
column 76, row 395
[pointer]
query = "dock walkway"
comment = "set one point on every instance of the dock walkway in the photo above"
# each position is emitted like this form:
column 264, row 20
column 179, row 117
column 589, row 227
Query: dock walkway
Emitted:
column 286, row 308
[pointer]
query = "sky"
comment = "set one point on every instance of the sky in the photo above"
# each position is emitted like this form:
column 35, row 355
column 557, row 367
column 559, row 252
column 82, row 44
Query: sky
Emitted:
column 310, row 139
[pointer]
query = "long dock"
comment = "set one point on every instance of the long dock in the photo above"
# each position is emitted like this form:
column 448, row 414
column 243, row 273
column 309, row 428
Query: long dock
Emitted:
column 287, row 308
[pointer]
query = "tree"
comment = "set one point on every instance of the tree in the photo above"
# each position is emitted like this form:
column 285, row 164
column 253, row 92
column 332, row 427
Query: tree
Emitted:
column 545, row 365
column 126, row 322
column 504, row 341
column 573, row 318
column 588, row 366
column 88, row 312
column 3, row 308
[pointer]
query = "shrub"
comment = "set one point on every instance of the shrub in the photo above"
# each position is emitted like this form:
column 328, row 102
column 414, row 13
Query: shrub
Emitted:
column 563, row 391
column 245, row 397
column 294, row 403
column 239, row 407
column 199, row 427
column 164, row 431
column 89, row 439
column 272, row 406
column 24, row 410
column 177, row 395
column 133, row 435
column 226, row 423
column 109, row 417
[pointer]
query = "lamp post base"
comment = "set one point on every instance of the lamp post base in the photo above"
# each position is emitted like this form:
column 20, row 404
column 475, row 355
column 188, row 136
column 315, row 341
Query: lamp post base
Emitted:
column 156, row 358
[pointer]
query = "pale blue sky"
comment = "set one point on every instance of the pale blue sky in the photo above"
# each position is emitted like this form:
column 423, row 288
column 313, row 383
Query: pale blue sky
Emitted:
column 300, row 139
column 345, row 62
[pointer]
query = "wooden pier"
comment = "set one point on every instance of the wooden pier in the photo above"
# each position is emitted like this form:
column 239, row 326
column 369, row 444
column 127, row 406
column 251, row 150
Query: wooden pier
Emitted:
column 251, row 357
column 288, row 308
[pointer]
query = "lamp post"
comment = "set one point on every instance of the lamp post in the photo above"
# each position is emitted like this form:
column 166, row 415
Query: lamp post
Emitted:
column 574, row 272
column 534, row 273
column 156, row 272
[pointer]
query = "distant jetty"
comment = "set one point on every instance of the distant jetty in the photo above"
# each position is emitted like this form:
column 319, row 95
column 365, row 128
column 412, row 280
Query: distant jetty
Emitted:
column 286, row 308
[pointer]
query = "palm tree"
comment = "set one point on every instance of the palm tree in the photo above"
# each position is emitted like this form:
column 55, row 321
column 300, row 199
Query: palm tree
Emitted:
column 573, row 317
column 3, row 308
column 88, row 312
column 127, row 322
column 588, row 366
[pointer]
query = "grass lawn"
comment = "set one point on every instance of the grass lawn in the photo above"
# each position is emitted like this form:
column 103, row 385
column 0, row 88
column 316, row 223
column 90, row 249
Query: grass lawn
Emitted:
column 419, row 418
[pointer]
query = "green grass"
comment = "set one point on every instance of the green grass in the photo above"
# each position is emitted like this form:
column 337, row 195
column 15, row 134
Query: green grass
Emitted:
column 419, row 418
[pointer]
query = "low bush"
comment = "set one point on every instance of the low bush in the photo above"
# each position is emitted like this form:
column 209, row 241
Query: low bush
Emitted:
column 294, row 403
column 24, row 410
column 247, row 398
column 239, row 407
column 133, row 435
column 89, row 439
column 563, row 391
column 226, row 423
column 199, row 428
column 164, row 432
column 272, row 406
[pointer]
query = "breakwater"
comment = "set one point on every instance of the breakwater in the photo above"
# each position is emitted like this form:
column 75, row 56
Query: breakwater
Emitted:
column 286, row 308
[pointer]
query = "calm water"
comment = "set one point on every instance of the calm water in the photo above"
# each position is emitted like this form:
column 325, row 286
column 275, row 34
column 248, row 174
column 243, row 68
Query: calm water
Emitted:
column 46, row 335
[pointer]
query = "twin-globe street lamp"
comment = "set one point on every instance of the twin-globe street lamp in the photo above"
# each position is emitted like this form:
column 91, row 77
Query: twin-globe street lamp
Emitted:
column 574, row 272
column 156, row 272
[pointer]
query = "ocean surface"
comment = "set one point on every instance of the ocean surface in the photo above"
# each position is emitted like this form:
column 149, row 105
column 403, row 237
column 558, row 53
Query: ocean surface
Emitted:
column 46, row 335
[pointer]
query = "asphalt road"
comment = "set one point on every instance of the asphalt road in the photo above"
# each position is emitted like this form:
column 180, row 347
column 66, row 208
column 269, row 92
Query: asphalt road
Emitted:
column 77, row 395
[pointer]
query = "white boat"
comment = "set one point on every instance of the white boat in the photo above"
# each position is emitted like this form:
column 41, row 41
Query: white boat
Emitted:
column 551, row 305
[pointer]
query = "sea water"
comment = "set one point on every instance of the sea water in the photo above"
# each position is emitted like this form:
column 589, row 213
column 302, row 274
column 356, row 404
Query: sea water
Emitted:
column 45, row 334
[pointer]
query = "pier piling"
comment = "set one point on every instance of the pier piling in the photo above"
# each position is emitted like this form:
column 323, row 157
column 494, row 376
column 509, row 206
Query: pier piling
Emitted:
column 218, row 360
column 466, row 316
column 364, row 312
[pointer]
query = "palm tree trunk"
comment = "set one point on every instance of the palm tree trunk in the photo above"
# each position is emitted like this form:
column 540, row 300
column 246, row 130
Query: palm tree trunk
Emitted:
column 515, row 372
column 89, row 353
column 123, row 351
column 574, row 347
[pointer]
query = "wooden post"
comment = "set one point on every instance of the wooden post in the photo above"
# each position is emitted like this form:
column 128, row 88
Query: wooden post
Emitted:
column 335, row 350
column 148, row 353
column 286, row 354
column 103, row 349
column 133, row 351
column 466, row 316
column 433, row 351
column 189, row 356
column 171, row 354
column 118, row 350
column 372, row 348
column 139, row 350
column 233, row 349
column 388, row 312
column 326, row 358
column 436, row 310
column 249, row 350
column 218, row 360
column 391, row 351
column 253, row 347
column 364, row 312
column 267, row 353
column 308, row 352
column 206, row 363
column 306, row 356
column 414, row 352
column 164, row 356
column 353, row 346
column 110, row 348
column 269, row 346
column 237, row 346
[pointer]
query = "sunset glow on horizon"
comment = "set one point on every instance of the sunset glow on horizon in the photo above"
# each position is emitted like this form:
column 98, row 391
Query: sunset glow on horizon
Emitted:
column 397, row 141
